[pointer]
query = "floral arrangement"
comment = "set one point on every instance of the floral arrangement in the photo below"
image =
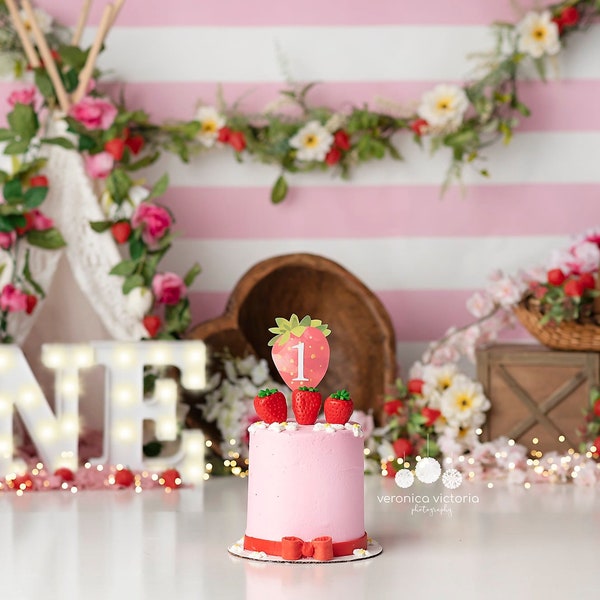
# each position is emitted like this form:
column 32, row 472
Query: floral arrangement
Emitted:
column 441, row 412
column 564, row 286
column 64, row 106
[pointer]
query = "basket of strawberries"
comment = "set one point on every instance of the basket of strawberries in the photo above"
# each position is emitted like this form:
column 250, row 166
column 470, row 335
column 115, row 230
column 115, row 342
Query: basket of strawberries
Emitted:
column 562, row 311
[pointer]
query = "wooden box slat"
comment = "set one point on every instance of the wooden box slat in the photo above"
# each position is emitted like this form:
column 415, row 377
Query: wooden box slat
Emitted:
column 537, row 393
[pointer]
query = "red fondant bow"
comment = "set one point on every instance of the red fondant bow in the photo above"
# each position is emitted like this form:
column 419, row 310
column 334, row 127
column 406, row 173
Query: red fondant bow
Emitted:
column 293, row 548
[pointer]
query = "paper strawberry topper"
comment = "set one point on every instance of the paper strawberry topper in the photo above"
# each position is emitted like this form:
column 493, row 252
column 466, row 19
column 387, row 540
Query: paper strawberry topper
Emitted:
column 300, row 350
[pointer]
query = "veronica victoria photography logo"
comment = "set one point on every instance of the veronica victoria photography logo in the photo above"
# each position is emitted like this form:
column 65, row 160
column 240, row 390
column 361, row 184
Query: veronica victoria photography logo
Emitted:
column 429, row 471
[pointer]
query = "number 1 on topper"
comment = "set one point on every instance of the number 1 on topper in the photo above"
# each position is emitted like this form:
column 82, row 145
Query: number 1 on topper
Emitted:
column 300, row 350
column 300, row 377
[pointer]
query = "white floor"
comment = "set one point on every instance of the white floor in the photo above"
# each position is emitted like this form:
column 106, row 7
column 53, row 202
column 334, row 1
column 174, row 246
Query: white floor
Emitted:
column 541, row 543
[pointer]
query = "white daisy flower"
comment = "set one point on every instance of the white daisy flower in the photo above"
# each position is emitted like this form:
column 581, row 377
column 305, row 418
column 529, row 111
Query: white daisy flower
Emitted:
column 256, row 426
column 444, row 106
column 538, row 34
column 313, row 142
column 437, row 380
column 463, row 401
column 355, row 428
column 44, row 21
column 210, row 122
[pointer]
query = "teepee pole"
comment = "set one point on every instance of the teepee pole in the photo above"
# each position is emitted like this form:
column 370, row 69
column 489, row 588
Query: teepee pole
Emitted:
column 83, row 17
column 30, row 52
column 88, row 69
column 59, row 88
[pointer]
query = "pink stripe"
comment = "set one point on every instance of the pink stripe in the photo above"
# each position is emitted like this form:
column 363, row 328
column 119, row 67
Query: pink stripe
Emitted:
column 178, row 100
column 417, row 315
column 309, row 12
column 355, row 211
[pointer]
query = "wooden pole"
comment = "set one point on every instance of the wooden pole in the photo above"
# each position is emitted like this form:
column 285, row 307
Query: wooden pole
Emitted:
column 30, row 52
column 61, row 94
column 88, row 69
column 83, row 17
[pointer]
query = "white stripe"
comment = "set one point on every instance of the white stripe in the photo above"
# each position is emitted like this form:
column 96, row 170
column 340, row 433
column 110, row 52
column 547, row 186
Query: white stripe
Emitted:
column 382, row 264
column 537, row 157
column 374, row 53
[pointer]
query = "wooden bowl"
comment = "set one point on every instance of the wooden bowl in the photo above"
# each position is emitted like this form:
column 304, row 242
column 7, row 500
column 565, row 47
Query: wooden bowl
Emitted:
column 362, row 340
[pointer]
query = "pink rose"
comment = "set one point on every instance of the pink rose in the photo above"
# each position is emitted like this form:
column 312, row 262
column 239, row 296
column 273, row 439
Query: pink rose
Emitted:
column 7, row 239
column 94, row 113
column 27, row 95
column 12, row 299
column 155, row 221
column 168, row 288
column 99, row 166
column 39, row 221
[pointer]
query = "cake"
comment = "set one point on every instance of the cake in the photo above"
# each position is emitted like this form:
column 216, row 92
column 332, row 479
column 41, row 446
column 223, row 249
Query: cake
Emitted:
column 306, row 477
column 306, row 482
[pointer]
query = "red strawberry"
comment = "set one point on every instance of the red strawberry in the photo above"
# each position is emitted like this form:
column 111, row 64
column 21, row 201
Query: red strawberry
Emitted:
column 223, row 135
column 115, row 147
column 338, row 407
column 574, row 288
column 419, row 126
column 30, row 303
column 430, row 414
column 39, row 181
column 170, row 478
column 333, row 157
column 65, row 474
column 596, row 443
column 390, row 469
column 124, row 478
column 415, row 386
column 271, row 406
column 596, row 409
column 300, row 351
column 393, row 407
column 402, row 447
column 341, row 140
column 587, row 281
column 237, row 140
column 152, row 324
column 555, row 277
column 135, row 143
column 306, row 404
column 121, row 230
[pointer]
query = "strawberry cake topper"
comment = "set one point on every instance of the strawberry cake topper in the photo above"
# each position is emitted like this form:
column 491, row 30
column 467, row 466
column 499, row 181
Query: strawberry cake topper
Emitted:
column 300, row 350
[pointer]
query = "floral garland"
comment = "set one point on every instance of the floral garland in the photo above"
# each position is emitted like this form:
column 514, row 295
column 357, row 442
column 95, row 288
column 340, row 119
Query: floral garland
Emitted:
column 116, row 142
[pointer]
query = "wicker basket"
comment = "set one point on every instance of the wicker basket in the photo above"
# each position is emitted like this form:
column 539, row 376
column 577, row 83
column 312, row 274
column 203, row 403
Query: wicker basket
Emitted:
column 559, row 336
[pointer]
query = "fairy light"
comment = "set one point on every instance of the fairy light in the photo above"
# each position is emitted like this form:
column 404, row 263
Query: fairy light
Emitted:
column 535, row 441
column 561, row 438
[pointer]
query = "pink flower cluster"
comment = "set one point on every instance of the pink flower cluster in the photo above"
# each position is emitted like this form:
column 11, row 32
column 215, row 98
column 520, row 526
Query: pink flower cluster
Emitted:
column 94, row 113
column 168, row 288
column 12, row 299
column 154, row 220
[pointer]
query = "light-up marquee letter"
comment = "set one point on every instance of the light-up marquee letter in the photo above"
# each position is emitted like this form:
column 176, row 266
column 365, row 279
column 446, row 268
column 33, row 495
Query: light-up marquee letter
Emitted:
column 55, row 433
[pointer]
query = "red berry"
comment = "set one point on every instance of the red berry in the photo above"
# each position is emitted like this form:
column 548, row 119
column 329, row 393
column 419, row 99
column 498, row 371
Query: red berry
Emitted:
column 30, row 303
column 124, row 478
column 431, row 414
column 135, row 143
column 28, row 224
column 419, row 126
column 415, row 386
column 170, row 478
column 391, row 471
column 223, row 135
column 152, row 324
column 574, row 288
column 333, row 157
column 393, row 407
column 306, row 404
column 65, row 474
column 271, row 406
column 596, row 443
column 237, row 140
column 540, row 291
column 556, row 277
column 339, row 407
column 121, row 230
column 587, row 281
column 22, row 482
column 569, row 16
column 402, row 447
column 39, row 181
column 341, row 140
column 597, row 409
column 115, row 148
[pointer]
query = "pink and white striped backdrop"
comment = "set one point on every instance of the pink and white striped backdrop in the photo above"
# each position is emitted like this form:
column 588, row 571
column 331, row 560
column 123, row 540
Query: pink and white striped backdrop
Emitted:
column 421, row 254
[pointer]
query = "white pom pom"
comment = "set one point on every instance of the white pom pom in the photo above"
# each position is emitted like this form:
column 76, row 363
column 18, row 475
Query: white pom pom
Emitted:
column 428, row 470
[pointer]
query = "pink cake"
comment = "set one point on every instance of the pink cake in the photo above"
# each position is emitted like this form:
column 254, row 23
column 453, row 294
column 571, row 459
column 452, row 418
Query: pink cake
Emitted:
column 306, row 483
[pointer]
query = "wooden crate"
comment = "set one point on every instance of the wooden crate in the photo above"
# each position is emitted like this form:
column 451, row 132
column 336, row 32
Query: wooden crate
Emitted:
column 537, row 393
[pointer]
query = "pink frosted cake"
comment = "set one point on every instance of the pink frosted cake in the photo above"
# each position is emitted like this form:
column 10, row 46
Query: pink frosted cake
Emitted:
column 306, row 484
column 306, row 478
